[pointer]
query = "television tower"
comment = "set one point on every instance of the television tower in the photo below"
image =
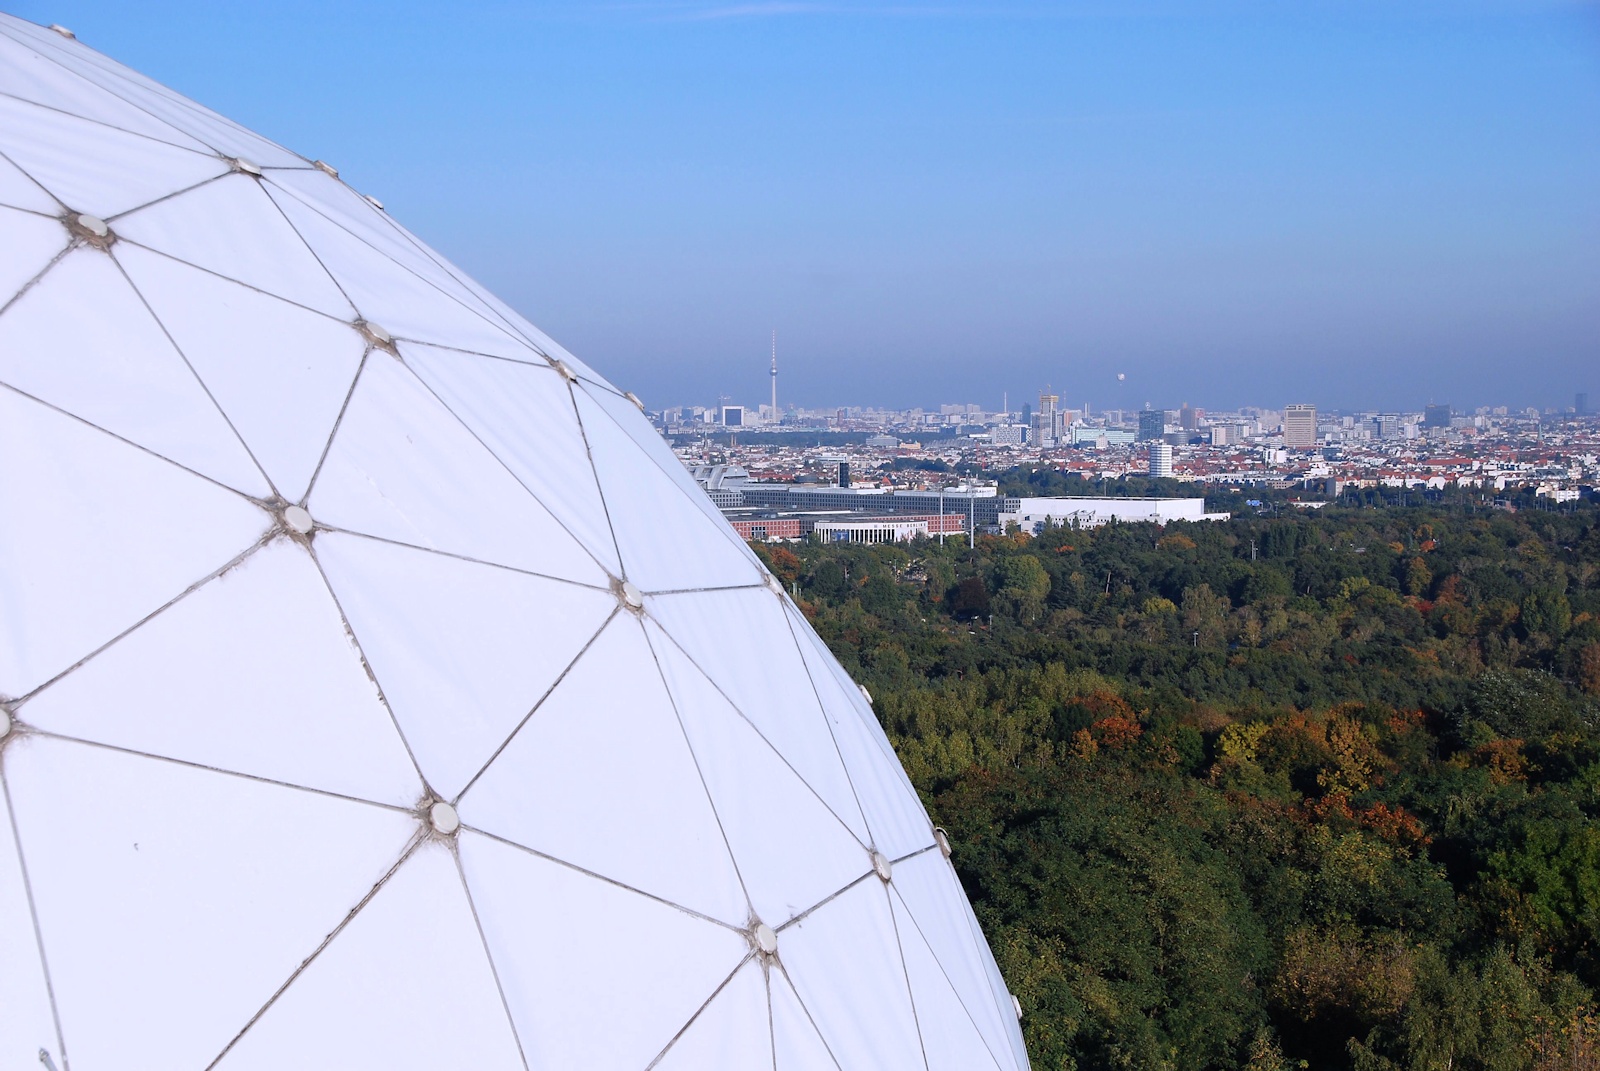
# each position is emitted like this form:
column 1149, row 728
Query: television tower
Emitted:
column 775, row 376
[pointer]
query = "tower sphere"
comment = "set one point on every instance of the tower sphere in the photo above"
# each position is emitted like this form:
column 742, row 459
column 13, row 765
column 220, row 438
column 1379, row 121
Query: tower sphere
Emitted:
column 376, row 688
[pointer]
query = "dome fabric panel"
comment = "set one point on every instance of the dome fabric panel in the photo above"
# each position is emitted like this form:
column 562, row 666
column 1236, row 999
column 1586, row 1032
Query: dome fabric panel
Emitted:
column 731, row 1031
column 29, row 75
column 796, row 1045
column 19, row 190
column 83, row 340
column 90, row 167
column 250, row 242
column 526, row 417
column 402, row 467
column 280, row 374
column 389, row 993
column 31, row 242
column 222, row 136
column 155, row 961
column 136, row 533
column 612, row 707
column 212, row 657
column 376, row 687
column 26, row 1021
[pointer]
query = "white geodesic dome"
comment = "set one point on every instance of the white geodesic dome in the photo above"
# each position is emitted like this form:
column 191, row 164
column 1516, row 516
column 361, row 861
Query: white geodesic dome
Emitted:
column 378, row 691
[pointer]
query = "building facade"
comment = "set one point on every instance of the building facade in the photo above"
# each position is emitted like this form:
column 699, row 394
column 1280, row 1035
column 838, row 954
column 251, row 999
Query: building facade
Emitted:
column 1300, row 427
column 1161, row 460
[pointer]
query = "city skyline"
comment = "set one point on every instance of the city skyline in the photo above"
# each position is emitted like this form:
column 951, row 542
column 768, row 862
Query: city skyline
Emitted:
column 1348, row 203
column 1017, row 403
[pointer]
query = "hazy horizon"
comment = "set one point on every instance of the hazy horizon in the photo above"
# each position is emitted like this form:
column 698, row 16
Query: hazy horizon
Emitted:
column 1347, row 204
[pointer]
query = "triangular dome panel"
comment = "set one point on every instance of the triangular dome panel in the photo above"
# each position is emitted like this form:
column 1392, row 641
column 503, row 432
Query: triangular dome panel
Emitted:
column 215, row 132
column 403, row 467
column 741, row 639
column 370, row 225
column 137, row 534
column 32, row 75
column 256, row 676
column 660, row 963
column 94, row 168
column 279, row 373
column 894, row 815
column 612, row 712
column 795, row 1041
column 932, row 897
column 81, row 339
column 791, row 850
column 18, row 190
column 858, row 925
column 250, row 242
column 950, row 1034
column 655, row 509
column 405, row 985
column 27, row 1023
column 386, row 293
column 525, row 414
column 161, row 937
column 732, row 1031
column 31, row 243
column 462, row 651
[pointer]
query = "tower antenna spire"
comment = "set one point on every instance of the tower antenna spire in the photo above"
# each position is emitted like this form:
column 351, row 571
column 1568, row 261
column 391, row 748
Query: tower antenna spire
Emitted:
column 775, row 375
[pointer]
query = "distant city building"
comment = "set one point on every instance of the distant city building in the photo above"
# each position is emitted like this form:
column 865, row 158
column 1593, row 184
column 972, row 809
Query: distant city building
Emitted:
column 733, row 416
column 1386, row 426
column 1152, row 424
column 768, row 529
column 1033, row 514
column 1190, row 418
column 1083, row 433
column 882, row 442
column 1160, row 460
column 1227, row 434
column 1580, row 404
column 1436, row 416
column 887, row 530
column 1300, row 427
column 1047, row 421
column 1008, row 434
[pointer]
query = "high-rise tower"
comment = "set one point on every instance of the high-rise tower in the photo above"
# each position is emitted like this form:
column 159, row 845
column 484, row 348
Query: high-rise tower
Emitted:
column 774, row 376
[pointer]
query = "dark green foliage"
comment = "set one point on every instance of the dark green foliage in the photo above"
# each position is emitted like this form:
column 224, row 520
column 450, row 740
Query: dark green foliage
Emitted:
column 1315, row 790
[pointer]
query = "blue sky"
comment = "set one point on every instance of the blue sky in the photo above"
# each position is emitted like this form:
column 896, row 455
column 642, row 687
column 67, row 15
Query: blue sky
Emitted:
column 1355, row 204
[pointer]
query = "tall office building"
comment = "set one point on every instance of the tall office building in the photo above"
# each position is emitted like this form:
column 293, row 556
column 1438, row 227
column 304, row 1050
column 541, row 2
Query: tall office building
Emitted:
column 1190, row 418
column 1160, row 459
column 1152, row 424
column 1580, row 404
column 1436, row 416
column 1046, row 421
column 1300, row 427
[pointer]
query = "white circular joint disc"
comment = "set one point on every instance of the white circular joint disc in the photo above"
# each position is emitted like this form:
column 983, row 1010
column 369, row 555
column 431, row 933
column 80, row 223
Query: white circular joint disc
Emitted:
column 443, row 818
column 882, row 867
column 298, row 519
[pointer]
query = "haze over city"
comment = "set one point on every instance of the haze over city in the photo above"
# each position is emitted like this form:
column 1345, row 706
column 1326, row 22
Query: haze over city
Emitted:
column 1354, row 204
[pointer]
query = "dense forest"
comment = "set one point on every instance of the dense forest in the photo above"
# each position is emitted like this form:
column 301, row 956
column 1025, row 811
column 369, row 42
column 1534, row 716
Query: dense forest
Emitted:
column 1301, row 789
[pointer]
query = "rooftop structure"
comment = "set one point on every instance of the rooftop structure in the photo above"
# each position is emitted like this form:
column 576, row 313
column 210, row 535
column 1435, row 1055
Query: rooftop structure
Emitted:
column 377, row 690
